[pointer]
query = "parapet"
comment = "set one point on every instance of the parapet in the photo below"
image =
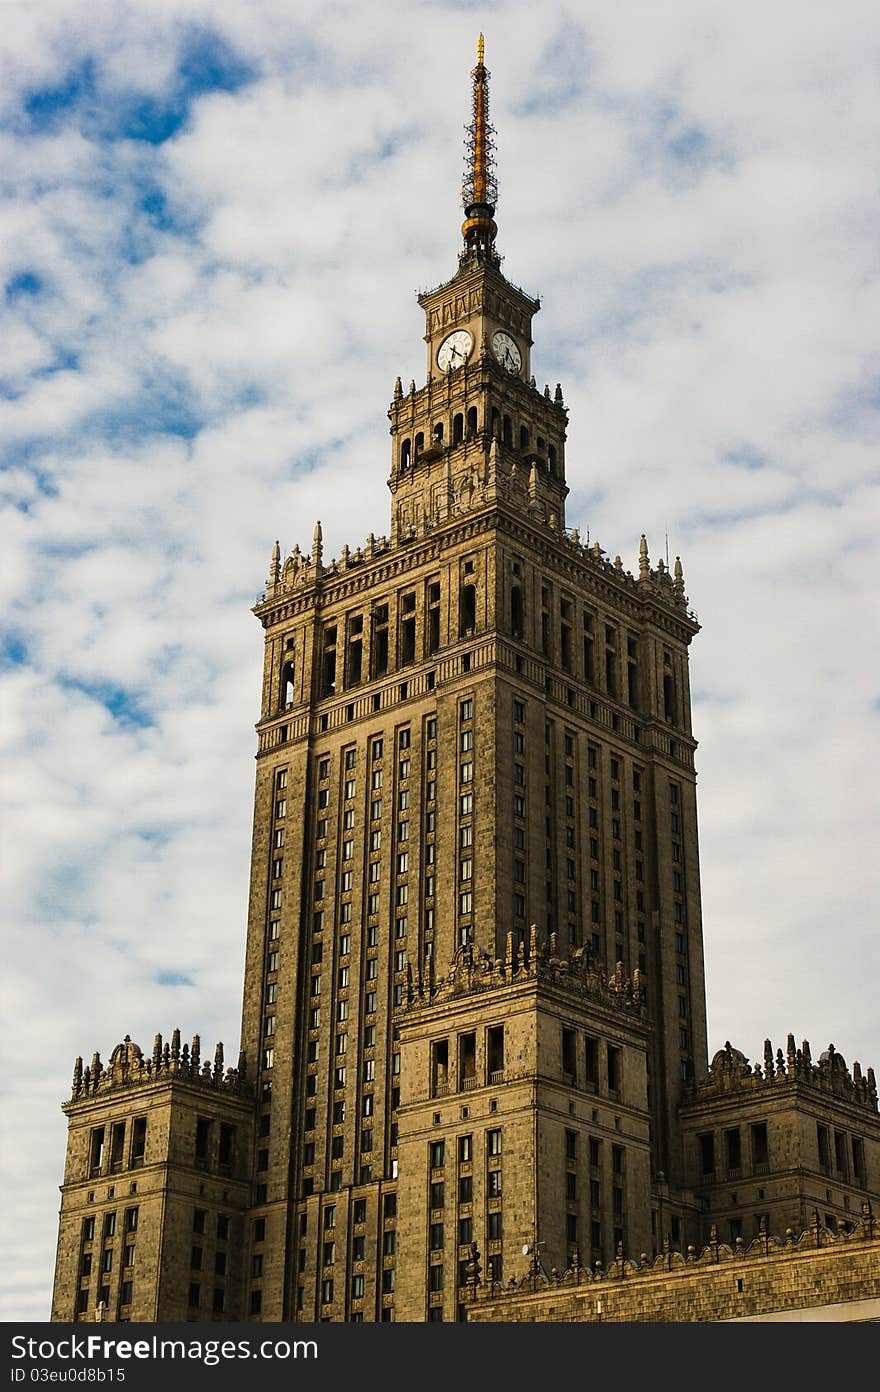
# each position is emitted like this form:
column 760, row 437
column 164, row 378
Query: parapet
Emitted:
column 129, row 1068
column 731, row 1072
column 537, row 960
column 668, row 1262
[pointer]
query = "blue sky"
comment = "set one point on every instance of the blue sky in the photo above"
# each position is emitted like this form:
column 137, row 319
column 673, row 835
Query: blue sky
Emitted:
column 214, row 217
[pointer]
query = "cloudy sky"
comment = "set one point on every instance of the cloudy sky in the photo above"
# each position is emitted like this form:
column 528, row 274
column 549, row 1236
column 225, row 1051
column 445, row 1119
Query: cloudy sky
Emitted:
column 214, row 216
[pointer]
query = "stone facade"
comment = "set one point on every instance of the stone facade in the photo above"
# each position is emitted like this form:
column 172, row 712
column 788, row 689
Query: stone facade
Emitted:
column 474, row 963
column 155, row 1186
column 779, row 1140
column 523, row 1111
column 819, row 1274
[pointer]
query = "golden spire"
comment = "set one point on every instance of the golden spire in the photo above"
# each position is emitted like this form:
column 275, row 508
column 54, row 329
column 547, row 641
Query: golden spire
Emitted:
column 480, row 188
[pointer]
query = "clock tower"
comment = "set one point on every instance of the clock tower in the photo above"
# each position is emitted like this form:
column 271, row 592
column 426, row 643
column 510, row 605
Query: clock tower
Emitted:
column 479, row 388
column 473, row 988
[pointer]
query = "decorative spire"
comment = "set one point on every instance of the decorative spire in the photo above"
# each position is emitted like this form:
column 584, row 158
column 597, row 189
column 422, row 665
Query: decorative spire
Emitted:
column 275, row 564
column 480, row 187
column 678, row 581
column 644, row 565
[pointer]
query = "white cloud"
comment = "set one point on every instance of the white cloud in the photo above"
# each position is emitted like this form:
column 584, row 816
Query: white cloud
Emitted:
column 691, row 197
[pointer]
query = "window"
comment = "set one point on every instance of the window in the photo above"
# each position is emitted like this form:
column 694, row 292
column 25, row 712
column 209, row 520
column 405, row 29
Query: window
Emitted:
column 437, row 1194
column 438, row 1154
column 96, row 1150
column 760, row 1149
column 733, row 1149
column 493, row 1142
column 613, row 1069
column 138, row 1141
column 569, row 1054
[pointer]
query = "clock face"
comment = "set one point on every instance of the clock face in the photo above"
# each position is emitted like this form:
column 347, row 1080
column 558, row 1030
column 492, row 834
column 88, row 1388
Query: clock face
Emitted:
column 454, row 350
column 506, row 351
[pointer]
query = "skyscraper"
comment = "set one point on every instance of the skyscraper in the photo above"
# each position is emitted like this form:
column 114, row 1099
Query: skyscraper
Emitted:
column 474, row 991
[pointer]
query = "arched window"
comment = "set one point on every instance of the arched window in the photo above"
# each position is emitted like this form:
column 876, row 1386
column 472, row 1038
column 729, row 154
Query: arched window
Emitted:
column 467, row 610
column 516, row 611
column 287, row 673
column 437, row 433
column 507, row 431
column 418, row 445
column 405, row 454
column 472, row 421
column 524, row 437
column 496, row 422
column 458, row 429
column 551, row 460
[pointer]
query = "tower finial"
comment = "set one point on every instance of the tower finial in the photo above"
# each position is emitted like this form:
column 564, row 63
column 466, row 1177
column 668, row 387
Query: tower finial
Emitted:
column 480, row 187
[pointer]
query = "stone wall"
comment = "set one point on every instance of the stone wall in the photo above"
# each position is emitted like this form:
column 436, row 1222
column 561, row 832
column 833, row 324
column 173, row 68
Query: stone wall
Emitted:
column 819, row 1269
